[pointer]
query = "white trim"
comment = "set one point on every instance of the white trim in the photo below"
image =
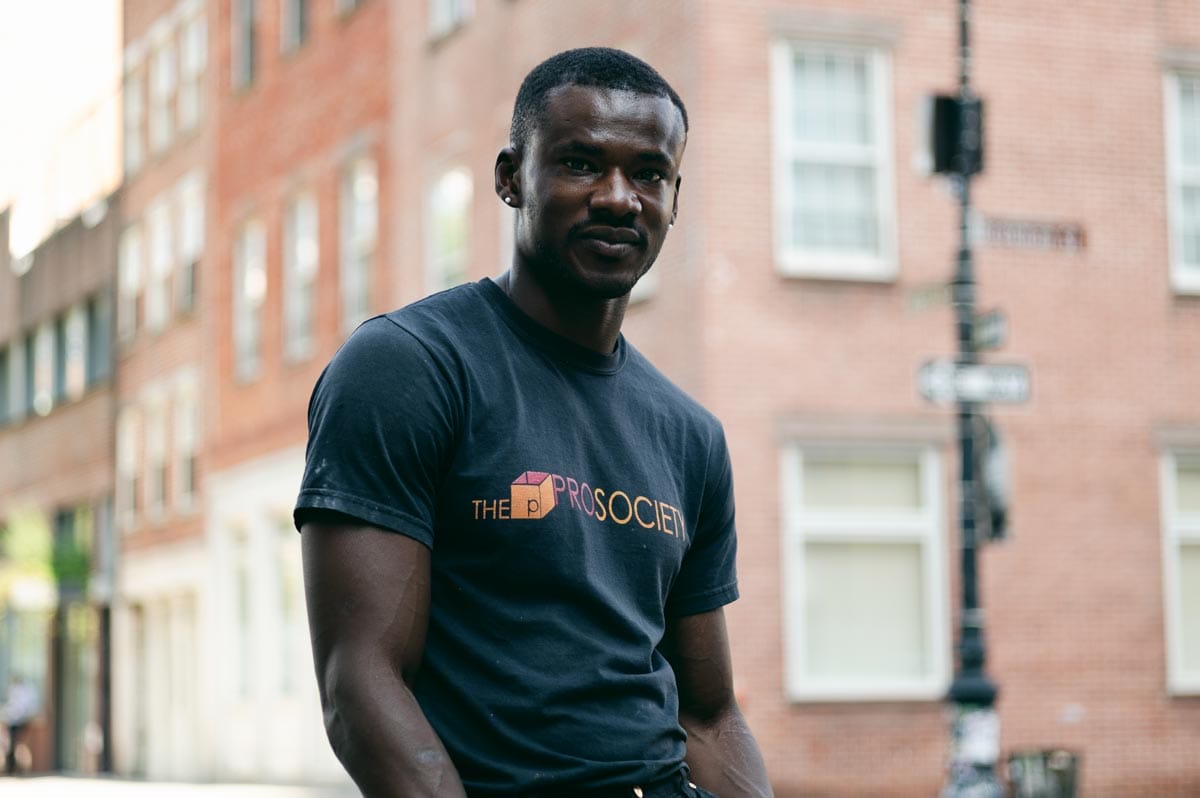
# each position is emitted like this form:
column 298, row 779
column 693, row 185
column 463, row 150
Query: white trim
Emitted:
column 1176, row 531
column 925, row 527
column 1185, row 279
column 881, row 267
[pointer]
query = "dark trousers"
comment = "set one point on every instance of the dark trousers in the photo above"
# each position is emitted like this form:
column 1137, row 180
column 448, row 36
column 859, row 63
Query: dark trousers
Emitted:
column 10, row 757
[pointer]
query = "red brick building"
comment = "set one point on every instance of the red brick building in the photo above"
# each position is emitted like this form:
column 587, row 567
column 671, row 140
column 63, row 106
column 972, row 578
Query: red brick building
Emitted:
column 347, row 150
column 164, row 284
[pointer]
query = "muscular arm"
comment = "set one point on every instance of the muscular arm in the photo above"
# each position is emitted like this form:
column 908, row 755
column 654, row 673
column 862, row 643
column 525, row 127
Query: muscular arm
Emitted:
column 721, row 752
column 368, row 607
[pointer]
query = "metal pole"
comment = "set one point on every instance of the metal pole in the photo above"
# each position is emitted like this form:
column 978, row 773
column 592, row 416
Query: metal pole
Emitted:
column 976, row 729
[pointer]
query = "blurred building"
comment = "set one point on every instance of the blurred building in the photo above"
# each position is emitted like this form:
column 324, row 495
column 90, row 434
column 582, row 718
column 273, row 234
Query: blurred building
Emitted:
column 165, row 287
column 292, row 167
column 56, row 468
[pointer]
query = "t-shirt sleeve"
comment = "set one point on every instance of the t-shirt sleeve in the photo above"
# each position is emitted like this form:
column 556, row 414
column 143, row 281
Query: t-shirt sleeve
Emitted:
column 708, row 576
column 381, row 424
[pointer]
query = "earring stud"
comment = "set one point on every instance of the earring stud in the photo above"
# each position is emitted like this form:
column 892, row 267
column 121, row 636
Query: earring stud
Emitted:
column 508, row 200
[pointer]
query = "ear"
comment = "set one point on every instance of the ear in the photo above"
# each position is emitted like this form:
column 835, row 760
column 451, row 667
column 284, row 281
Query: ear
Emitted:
column 507, row 174
column 675, row 199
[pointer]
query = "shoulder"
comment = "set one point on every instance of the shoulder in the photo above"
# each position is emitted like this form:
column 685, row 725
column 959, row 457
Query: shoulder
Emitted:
column 663, row 396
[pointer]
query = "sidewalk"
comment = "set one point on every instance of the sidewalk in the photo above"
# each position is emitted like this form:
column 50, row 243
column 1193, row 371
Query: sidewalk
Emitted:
column 78, row 787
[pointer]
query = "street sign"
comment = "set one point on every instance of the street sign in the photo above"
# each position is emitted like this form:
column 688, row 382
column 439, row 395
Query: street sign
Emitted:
column 1029, row 234
column 991, row 330
column 946, row 382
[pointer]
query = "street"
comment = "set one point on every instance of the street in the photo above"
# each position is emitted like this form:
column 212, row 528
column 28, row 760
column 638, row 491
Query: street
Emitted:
column 77, row 787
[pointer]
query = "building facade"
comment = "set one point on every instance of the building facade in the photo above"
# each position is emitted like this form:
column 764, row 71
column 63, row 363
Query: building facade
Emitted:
column 293, row 166
column 164, row 285
column 56, row 422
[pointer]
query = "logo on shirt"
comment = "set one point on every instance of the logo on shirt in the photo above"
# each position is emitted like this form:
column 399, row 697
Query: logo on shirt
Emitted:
column 534, row 494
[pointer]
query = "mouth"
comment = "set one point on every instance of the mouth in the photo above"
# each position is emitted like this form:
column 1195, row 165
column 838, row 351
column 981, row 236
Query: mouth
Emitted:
column 610, row 242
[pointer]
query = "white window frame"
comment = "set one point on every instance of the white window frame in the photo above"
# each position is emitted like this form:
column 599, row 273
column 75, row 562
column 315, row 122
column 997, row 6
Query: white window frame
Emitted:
column 162, row 262
column 249, row 295
column 879, row 267
column 191, row 215
column 358, row 241
column 295, row 25
column 925, row 528
column 128, row 440
column 446, row 16
column 243, row 55
column 154, row 409
column 133, row 100
column 131, row 256
column 301, row 264
column 1178, row 529
column 193, row 59
column 164, row 81
column 184, row 442
column 43, row 369
column 1185, row 278
column 438, row 264
column 76, row 349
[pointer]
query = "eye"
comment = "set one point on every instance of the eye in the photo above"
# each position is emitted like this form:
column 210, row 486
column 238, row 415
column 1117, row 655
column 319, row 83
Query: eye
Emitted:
column 578, row 165
column 652, row 175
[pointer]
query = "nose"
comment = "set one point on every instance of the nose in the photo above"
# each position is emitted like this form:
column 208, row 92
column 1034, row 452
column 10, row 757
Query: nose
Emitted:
column 617, row 195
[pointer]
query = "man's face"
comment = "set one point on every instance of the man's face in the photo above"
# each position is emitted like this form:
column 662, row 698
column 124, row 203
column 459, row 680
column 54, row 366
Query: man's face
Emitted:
column 599, row 181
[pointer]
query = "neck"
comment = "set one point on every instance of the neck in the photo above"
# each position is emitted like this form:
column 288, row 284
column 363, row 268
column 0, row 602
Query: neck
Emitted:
column 590, row 322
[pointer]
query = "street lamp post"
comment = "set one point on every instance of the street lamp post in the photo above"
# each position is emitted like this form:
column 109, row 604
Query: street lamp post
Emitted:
column 976, row 728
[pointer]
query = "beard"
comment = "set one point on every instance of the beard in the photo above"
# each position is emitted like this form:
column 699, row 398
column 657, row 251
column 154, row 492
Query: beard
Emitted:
column 551, row 269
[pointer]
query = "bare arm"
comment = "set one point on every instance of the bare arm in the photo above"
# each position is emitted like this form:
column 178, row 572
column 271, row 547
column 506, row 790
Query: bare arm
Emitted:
column 368, row 608
column 721, row 752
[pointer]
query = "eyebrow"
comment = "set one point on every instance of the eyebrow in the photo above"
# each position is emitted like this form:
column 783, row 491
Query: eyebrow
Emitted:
column 594, row 151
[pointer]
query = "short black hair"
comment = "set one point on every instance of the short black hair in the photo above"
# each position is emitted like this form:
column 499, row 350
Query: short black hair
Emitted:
column 603, row 67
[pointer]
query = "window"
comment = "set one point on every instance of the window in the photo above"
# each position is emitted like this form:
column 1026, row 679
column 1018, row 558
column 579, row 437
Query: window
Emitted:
column 1183, row 169
column 191, row 240
column 359, row 224
column 294, row 30
column 29, row 382
column 134, row 103
column 243, row 582
column 42, row 376
column 1181, row 538
column 193, row 57
column 187, row 414
column 249, row 291
column 162, row 92
column 292, row 627
column 129, row 278
column 865, row 604
column 156, row 454
column 300, row 264
column 446, row 15
column 99, row 332
column 158, row 295
column 18, row 406
column 58, row 383
column 833, row 185
column 5, row 388
column 242, row 46
column 74, row 351
column 449, row 230
column 128, row 435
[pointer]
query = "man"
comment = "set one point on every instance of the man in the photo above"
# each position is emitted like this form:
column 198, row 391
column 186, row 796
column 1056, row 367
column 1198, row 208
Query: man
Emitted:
column 518, row 535
column 20, row 707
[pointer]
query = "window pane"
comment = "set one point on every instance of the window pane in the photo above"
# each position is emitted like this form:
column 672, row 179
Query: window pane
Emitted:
column 832, row 98
column 835, row 208
column 1189, row 225
column 300, row 272
column 1189, row 609
column 1187, row 488
column 861, row 485
column 1189, row 121
column 449, row 211
column 864, row 610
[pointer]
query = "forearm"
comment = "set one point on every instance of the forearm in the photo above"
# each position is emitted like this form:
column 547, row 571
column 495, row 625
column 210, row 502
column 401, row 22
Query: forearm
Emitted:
column 384, row 741
column 723, row 756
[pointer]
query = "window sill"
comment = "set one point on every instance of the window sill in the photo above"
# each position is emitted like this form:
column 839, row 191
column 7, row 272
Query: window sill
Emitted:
column 1185, row 281
column 859, row 270
column 866, row 694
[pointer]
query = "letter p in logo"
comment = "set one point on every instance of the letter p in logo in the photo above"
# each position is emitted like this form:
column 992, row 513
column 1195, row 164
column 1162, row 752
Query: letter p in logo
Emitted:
column 532, row 495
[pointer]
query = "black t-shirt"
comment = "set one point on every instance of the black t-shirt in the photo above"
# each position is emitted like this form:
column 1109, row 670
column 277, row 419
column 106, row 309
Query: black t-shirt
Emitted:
column 572, row 502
